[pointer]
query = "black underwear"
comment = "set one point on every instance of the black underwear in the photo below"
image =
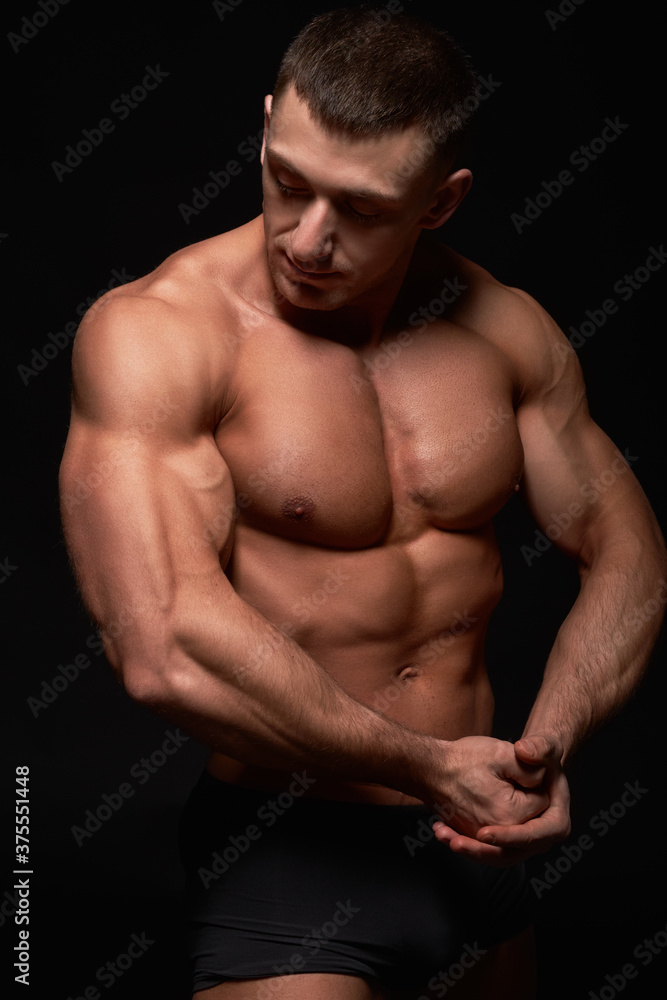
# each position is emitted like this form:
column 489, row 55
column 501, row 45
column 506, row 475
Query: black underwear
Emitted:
column 281, row 884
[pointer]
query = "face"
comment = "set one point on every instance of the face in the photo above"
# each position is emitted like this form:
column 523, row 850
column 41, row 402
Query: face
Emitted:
column 341, row 215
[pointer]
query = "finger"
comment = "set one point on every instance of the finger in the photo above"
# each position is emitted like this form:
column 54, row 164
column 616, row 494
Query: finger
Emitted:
column 528, row 775
column 443, row 832
column 496, row 855
column 528, row 805
column 472, row 847
column 521, row 772
column 538, row 749
column 459, row 841
column 538, row 834
column 446, row 834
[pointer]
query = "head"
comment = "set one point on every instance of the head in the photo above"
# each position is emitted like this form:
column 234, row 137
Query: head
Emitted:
column 361, row 137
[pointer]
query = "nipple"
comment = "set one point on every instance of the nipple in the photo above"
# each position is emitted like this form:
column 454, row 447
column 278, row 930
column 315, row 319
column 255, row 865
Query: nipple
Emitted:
column 298, row 509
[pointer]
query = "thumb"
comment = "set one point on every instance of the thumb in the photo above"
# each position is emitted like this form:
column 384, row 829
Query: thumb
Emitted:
column 537, row 749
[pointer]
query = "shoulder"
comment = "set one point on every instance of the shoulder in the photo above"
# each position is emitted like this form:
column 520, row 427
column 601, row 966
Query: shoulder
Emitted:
column 181, row 291
column 172, row 327
column 514, row 322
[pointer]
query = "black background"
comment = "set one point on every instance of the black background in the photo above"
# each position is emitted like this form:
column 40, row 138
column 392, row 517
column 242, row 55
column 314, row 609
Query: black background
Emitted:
column 119, row 209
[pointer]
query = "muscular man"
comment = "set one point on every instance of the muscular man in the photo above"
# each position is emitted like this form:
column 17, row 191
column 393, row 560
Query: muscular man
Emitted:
column 287, row 447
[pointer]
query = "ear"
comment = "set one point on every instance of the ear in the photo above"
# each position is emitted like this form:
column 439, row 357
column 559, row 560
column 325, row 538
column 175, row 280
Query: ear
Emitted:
column 447, row 199
column 268, row 105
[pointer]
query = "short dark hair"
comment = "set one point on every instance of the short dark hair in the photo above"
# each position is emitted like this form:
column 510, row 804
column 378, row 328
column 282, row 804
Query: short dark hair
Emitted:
column 363, row 71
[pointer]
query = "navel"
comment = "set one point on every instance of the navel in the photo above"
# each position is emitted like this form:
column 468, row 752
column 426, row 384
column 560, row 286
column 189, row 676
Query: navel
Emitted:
column 408, row 671
column 299, row 509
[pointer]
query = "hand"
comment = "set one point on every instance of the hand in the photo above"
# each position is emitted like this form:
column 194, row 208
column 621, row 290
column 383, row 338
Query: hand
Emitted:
column 488, row 784
column 507, row 844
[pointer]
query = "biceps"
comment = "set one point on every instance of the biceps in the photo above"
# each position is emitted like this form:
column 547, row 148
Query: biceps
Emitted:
column 139, row 523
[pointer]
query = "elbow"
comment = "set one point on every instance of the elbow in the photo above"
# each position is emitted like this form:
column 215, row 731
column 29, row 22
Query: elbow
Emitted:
column 144, row 670
column 159, row 679
column 144, row 685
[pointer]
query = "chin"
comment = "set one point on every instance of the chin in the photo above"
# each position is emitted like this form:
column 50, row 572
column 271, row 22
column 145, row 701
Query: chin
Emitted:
column 304, row 296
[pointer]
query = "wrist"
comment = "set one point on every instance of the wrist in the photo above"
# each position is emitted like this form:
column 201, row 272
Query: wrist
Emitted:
column 421, row 768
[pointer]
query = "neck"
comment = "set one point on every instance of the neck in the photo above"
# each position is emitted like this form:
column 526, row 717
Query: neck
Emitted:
column 359, row 323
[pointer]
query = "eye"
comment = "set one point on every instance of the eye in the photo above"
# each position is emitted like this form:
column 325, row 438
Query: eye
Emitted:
column 362, row 217
column 289, row 192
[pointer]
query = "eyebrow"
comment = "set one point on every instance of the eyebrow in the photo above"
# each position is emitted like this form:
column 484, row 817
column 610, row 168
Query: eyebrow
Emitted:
column 367, row 194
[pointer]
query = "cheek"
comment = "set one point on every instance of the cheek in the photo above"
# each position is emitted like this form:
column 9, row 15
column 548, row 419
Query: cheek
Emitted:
column 278, row 216
column 376, row 251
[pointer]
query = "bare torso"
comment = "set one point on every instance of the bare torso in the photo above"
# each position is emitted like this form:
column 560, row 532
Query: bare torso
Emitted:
column 366, row 481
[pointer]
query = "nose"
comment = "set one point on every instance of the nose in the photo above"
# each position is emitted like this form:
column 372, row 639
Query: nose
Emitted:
column 311, row 242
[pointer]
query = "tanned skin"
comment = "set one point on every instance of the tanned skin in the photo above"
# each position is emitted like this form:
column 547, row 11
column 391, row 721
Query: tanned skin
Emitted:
column 278, row 491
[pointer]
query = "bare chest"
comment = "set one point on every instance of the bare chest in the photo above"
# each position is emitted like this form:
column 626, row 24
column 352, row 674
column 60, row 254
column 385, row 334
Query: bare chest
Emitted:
column 333, row 447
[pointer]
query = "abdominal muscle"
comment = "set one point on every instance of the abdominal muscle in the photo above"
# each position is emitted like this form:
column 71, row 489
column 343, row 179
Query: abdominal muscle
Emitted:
column 400, row 627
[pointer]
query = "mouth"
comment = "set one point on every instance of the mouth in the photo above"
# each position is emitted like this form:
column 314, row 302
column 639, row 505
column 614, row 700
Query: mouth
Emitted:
column 299, row 273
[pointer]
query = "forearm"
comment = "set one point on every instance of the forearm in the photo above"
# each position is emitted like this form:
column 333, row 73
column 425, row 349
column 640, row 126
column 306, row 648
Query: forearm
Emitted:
column 242, row 687
column 603, row 646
